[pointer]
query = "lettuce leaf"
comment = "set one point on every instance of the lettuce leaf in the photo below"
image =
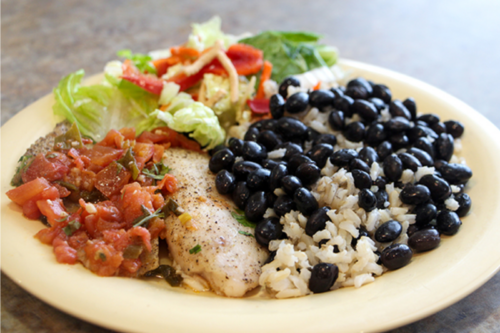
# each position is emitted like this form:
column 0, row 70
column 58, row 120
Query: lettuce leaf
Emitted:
column 98, row 108
column 292, row 52
column 187, row 116
column 206, row 34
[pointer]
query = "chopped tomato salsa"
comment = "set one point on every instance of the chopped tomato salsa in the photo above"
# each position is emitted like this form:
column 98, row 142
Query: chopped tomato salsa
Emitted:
column 103, row 202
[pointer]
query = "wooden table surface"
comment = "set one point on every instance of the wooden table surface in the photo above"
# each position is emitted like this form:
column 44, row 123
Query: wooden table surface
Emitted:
column 453, row 45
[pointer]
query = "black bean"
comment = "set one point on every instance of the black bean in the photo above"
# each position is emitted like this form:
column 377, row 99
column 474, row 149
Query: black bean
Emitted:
column 357, row 92
column 382, row 198
column 284, row 204
column 252, row 134
column 396, row 256
column 354, row 131
column 375, row 134
column 426, row 145
column 236, row 146
column 455, row 128
column 323, row 276
column 277, row 174
column 312, row 134
column 336, row 120
column 252, row 151
column 412, row 229
column 424, row 158
column 393, row 168
column 418, row 131
column 291, row 128
column 455, row 173
column 411, row 106
column 320, row 153
column 272, row 256
column 267, row 230
column 338, row 92
column 290, row 184
column 384, row 149
column 359, row 164
column 424, row 240
column 258, row 180
column 296, row 160
column 326, row 138
column 429, row 118
column 289, row 81
column 388, row 231
column 305, row 201
column 444, row 147
column 361, row 179
column 317, row 221
column 297, row 103
column 241, row 194
column 270, row 199
column 344, row 104
column 223, row 159
column 380, row 182
column 448, row 222
column 366, row 110
column 256, row 206
column 425, row 213
column 368, row 155
column 381, row 91
column 308, row 173
column 414, row 194
column 464, row 203
column 225, row 182
column 440, row 189
column 342, row 157
column 321, row 99
column 269, row 139
column 367, row 200
column 242, row 169
column 399, row 140
column 268, row 124
column 292, row 149
column 216, row 149
column 270, row 164
column 397, row 109
column 362, row 233
column 409, row 162
column 378, row 103
column 277, row 106
column 397, row 124
column 438, row 128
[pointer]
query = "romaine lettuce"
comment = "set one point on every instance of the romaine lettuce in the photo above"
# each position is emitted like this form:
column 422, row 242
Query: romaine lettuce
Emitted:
column 206, row 34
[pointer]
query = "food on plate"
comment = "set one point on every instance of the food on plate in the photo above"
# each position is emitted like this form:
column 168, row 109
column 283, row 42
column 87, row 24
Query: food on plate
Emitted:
column 254, row 163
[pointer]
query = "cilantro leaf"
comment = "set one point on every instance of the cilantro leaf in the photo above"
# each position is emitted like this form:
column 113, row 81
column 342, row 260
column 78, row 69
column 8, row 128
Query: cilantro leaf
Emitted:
column 239, row 215
column 157, row 171
column 71, row 227
column 245, row 233
column 139, row 221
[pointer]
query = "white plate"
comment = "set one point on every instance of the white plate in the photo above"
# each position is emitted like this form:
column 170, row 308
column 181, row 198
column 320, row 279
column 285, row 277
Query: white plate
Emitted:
column 430, row 283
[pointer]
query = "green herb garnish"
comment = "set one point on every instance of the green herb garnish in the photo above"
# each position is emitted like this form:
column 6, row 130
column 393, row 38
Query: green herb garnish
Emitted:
column 147, row 216
column 68, row 140
column 102, row 256
column 172, row 207
column 195, row 249
column 23, row 163
column 128, row 162
column 141, row 61
column 168, row 273
column 239, row 215
column 71, row 227
column 69, row 186
column 245, row 233
column 63, row 219
column 157, row 171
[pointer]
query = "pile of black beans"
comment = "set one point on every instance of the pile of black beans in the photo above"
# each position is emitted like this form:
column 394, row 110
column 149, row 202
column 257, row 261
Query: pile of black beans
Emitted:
column 427, row 141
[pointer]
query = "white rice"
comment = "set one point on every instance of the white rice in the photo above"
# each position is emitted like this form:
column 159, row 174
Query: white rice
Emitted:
column 289, row 273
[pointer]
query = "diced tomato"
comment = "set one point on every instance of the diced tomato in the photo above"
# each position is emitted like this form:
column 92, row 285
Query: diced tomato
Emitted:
column 101, row 258
column 30, row 210
column 128, row 133
column 48, row 235
column 54, row 210
column 42, row 167
column 120, row 239
column 28, row 190
column 78, row 239
column 134, row 196
column 65, row 254
column 143, row 153
column 101, row 155
column 143, row 234
column 147, row 82
column 158, row 153
column 63, row 191
column 169, row 183
column 155, row 227
column 111, row 179
column 158, row 201
column 260, row 106
column 76, row 158
column 129, row 267
column 103, row 225
column 108, row 211
column 113, row 139
column 167, row 135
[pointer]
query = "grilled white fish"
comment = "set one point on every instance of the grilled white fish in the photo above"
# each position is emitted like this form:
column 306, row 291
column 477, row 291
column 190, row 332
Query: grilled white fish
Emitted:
column 229, row 260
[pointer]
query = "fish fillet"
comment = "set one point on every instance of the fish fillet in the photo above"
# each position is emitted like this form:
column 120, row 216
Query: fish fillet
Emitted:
column 228, row 260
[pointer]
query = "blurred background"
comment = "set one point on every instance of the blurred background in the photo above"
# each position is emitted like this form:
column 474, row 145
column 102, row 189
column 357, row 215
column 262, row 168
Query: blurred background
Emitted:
column 453, row 45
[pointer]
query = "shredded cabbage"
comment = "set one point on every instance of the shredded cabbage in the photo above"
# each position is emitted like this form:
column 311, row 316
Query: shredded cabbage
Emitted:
column 206, row 34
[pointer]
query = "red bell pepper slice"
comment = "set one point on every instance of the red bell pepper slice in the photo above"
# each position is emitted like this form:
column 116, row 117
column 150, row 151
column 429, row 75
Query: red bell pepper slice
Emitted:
column 147, row 82
column 259, row 105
